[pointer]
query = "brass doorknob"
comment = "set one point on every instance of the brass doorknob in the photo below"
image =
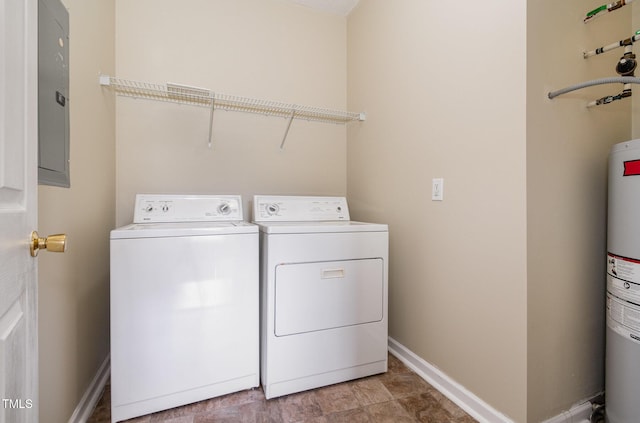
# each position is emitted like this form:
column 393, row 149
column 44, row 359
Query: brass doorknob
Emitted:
column 54, row 243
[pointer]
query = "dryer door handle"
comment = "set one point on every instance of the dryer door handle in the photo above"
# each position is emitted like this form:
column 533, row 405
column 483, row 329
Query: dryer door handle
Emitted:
column 332, row 273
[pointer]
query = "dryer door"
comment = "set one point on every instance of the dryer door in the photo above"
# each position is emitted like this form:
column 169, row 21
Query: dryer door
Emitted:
column 325, row 295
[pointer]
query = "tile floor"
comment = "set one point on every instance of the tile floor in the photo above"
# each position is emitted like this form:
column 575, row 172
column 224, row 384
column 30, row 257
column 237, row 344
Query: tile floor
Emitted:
column 398, row 396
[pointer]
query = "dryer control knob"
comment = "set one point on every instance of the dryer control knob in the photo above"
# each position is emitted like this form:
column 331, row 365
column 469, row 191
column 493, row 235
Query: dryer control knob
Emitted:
column 149, row 208
column 272, row 209
column 224, row 208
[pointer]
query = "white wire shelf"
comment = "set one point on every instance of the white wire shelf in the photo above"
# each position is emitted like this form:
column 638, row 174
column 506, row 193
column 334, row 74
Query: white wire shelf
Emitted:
column 184, row 94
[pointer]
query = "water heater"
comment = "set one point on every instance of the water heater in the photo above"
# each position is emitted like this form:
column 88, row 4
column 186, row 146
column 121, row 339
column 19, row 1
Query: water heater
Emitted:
column 622, row 369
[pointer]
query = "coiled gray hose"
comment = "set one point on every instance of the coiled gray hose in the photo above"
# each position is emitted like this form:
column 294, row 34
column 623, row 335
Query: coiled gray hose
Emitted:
column 612, row 80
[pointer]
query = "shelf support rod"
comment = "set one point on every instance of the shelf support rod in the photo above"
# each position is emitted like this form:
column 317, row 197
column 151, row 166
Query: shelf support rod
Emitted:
column 213, row 105
column 286, row 132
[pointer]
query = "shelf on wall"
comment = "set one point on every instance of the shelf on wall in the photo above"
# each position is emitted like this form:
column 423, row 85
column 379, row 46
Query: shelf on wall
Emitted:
column 184, row 94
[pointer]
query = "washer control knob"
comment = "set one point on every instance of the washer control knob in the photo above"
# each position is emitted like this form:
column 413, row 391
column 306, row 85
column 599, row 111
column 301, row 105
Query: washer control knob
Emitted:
column 224, row 208
column 272, row 209
column 165, row 208
column 148, row 208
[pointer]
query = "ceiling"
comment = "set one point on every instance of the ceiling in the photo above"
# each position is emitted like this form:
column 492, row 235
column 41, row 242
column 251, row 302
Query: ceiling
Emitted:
column 336, row 7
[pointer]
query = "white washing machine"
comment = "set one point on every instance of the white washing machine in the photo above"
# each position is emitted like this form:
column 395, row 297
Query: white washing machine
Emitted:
column 184, row 303
column 323, row 282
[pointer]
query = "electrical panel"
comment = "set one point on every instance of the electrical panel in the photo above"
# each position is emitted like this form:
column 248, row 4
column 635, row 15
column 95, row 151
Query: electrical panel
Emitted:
column 53, row 93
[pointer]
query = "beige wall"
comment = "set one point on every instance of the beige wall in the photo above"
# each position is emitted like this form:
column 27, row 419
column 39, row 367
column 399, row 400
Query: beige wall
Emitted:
column 254, row 48
column 567, row 149
column 74, row 286
column 444, row 85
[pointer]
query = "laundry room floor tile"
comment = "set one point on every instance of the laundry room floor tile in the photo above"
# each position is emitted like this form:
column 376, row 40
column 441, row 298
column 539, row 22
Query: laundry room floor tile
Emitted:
column 370, row 391
column 337, row 398
column 398, row 396
column 403, row 384
column 298, row 407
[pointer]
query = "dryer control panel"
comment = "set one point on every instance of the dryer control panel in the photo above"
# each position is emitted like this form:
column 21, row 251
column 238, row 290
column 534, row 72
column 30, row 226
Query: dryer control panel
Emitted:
column 276, row 208
column 187, row 208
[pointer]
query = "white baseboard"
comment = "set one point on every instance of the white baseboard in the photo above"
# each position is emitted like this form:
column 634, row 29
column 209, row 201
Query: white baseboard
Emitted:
column 465, row 399
column 579, row 413
column 457, row 393
column 92, row 395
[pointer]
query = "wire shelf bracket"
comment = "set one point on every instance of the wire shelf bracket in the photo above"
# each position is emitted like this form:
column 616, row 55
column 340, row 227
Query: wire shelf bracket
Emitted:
column 202, row 97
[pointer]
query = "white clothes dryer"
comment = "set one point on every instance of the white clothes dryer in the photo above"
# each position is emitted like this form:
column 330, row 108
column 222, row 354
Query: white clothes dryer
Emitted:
column 184, row 303
column 323, row 283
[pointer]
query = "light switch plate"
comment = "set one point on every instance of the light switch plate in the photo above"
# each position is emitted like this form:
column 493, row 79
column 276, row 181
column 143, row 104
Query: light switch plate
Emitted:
column 437, row 189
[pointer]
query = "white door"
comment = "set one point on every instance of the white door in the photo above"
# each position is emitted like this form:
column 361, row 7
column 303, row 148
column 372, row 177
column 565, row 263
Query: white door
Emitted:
column 18, row 211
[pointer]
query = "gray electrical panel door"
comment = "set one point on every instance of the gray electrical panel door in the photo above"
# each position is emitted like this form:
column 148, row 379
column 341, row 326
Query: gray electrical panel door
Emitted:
column 53, row 93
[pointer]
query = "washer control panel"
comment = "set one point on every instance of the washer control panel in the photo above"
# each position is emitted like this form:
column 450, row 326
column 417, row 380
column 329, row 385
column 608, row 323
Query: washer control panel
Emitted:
column 276, row 208
column 187, row 208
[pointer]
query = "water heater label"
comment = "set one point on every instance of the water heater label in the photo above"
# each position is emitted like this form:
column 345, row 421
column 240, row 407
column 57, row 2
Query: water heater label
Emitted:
column 624, row 318
column 631, row 167
column 624, row 268
column 628, row 291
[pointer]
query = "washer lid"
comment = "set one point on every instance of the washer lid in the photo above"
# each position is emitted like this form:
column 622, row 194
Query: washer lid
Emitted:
column 164, row 230
column 320, row 227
